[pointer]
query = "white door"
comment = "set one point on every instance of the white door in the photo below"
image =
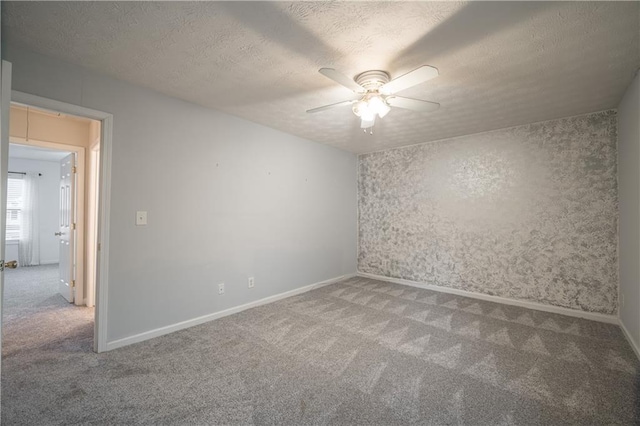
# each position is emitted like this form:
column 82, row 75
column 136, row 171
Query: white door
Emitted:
column 67, row 227
column 5, row 104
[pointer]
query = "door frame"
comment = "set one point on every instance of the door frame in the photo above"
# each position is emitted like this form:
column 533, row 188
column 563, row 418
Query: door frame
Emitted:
column 104, row 201
column 91, row 223
column 79, row 190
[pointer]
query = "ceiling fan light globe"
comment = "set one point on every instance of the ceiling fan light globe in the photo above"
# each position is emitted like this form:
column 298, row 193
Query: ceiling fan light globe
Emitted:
column 365, row 124
column 367, row 115
column 360, row 107
column 383, row 109
column 364, row 111
column 378, row 106
column 375, row 103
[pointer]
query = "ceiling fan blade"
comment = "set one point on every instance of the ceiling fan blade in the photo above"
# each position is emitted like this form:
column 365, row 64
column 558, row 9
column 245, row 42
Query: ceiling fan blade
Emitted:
column 337, row 104
column 412, row 104
column 342, row 79
column 410, row 79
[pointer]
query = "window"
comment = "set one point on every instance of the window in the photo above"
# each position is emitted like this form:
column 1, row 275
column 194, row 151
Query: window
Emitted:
column 15, row 191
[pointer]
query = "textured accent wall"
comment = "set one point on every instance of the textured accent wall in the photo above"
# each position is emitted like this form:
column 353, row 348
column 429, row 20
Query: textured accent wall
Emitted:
column 528, row 213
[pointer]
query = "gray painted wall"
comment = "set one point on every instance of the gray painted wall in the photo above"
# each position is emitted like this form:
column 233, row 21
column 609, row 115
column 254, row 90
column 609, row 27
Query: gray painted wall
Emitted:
column 526, row 213
column 226, row 199
column 629, row 189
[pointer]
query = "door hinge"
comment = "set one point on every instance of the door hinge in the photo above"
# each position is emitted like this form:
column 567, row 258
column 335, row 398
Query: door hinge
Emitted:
column 2, row 265
column 99, row 246
column 73, row 283
column 74, row 170
column 74, row 226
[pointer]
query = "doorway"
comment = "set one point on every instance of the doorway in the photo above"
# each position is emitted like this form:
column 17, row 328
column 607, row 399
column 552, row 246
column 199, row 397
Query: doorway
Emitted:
column 54, row 235
column 33, row 212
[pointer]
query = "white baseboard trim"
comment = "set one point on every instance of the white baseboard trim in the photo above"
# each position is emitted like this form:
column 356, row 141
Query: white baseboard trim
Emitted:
column 210, row 317
column 630, row 339
column 611, row 319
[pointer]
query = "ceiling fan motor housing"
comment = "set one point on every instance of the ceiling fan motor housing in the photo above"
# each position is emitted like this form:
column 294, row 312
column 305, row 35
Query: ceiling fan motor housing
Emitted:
column 372, row 80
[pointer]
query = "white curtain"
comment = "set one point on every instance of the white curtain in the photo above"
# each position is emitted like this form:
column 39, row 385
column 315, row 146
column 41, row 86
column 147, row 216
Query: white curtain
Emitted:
column 29, row 243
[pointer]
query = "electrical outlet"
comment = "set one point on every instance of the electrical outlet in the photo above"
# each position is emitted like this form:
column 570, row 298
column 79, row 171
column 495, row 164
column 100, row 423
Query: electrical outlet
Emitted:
column 221, row 288
column 252, row 282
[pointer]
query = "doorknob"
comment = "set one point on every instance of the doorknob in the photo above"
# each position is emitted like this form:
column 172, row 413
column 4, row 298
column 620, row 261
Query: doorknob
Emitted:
column 58, row 234
column 12, row 264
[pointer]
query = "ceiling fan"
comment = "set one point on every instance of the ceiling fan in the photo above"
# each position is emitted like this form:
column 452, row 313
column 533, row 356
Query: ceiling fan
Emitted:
column 377, row 93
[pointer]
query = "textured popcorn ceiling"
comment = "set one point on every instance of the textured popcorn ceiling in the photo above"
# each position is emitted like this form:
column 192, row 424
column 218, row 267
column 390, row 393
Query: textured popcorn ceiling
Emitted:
column 501, row 64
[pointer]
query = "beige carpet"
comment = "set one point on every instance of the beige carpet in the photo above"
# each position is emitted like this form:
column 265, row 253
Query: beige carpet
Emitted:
column 356, row 352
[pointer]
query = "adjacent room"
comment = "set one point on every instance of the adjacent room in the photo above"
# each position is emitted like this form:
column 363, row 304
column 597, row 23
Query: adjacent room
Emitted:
column 365, row 213
column 47, row 222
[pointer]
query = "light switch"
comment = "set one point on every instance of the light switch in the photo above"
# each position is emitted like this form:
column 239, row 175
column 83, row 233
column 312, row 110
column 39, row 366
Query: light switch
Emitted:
column 141, row 218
